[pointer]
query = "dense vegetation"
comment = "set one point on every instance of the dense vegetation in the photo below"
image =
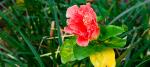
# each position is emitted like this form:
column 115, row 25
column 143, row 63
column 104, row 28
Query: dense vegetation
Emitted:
column 31, row 30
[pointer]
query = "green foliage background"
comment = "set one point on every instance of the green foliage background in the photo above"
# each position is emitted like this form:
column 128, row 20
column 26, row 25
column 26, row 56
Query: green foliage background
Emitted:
column 25, row 31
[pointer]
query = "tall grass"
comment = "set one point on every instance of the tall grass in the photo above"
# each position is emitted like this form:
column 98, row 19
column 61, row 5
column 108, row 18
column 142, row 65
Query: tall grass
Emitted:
column 25, row 27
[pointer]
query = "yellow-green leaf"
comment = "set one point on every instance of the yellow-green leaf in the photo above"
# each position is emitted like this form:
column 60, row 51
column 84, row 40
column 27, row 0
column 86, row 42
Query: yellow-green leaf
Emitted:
column 19, row 1
column 66, row 51
column 104, row 58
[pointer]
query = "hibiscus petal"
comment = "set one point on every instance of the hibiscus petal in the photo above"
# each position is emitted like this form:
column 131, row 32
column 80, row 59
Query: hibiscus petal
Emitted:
column 89, row 20
column 76, row 24
column 82, row 41
column 87, row 8
column 71, row 11
column 95, row 34
column 75, row 19
column 68, row 30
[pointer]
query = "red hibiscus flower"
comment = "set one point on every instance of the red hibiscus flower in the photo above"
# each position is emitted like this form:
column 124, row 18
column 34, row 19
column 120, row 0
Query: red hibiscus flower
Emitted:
column 82, row 22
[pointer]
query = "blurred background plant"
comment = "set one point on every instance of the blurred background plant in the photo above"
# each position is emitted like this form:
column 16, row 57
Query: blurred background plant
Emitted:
column 31, row 31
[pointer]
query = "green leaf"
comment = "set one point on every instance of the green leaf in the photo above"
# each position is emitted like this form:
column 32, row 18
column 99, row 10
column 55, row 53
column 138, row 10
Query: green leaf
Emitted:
column 99, row 18
column 83, row 52
column 110, row 31
column 66, row 51
column 115, row 42
column 70, row 51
